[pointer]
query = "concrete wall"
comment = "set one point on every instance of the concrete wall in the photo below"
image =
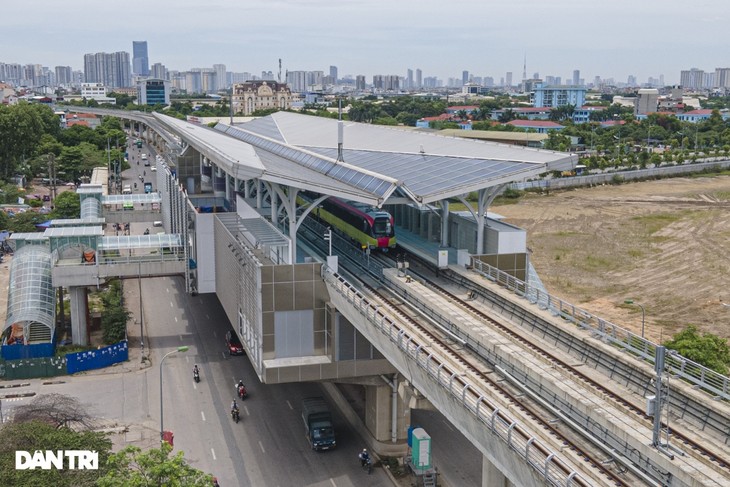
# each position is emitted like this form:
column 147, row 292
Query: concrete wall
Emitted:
column 204, row 236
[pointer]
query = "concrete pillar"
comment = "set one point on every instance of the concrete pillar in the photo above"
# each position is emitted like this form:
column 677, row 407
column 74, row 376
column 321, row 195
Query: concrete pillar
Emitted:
column 491, row 475
column 378, row 414
column 79, row 325
column 246, row 190
column 258, row 194
column 444, row 223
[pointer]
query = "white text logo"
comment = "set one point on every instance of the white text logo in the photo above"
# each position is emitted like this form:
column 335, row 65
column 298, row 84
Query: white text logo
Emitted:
column 45, row 460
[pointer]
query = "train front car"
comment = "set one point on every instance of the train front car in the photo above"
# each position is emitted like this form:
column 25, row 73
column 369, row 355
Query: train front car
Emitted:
column 382, row 229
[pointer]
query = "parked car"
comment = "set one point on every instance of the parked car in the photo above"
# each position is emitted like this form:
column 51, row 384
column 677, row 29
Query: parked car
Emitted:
column 233, row 343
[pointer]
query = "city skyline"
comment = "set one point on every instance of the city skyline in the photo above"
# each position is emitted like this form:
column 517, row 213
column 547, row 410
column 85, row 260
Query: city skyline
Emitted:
column 443, row 40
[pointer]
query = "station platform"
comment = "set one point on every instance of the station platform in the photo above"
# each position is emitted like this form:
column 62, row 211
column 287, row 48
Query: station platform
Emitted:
column 426, row 249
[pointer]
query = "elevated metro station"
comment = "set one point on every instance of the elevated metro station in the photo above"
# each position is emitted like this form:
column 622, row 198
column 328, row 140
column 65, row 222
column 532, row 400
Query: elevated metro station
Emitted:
column 233, row 199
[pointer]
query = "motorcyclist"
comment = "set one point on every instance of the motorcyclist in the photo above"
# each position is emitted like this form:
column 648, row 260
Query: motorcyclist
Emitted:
column 147, row 232
column 364, row 457
column 196, row 371
column 234, row 406
column 239, row 386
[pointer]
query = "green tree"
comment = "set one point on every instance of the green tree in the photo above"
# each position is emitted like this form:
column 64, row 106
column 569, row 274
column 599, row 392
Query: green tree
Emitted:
column 707, row 349
column 66, row 205
column 21, row 128
column 132, row 467
column 115, row 316
column 40, row 435
column 26, row 222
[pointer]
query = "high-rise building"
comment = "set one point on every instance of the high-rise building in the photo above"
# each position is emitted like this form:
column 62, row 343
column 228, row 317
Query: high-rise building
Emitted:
column 112, row 70
column 691, row 79
column 387, row 82
column 64, row 75
column 409, row 79
column 159, row 71
column 220, row 77
column 508, row 79
column 360, row 82
column 297, row 81
column 140, row 59
column 333, row 73
column 576, row 77
column 419, row 78
column 722, row 78
column 464, row 77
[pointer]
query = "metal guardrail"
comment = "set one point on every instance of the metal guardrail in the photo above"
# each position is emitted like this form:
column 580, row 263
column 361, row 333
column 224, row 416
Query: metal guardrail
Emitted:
column 553, row 470
column 678, row 366
column 609, row 177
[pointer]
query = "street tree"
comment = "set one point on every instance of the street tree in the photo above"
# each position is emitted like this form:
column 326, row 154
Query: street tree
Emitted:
column 132, row 467
column 39, row 435
column 59, row 410
column 67, row 205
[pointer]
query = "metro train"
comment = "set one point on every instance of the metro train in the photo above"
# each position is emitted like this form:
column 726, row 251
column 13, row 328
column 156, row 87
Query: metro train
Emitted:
column 367, row 225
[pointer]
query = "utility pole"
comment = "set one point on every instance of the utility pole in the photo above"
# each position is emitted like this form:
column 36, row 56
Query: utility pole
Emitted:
column 52, row 174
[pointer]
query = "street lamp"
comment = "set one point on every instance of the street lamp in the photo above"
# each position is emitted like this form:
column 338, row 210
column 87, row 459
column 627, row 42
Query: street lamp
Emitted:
column 178, row 349
column 643, row 314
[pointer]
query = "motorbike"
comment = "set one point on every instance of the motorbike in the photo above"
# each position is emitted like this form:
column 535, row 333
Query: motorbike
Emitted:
column 241, row 391
column 235, row 414
column 196, row 376
column 367, row 465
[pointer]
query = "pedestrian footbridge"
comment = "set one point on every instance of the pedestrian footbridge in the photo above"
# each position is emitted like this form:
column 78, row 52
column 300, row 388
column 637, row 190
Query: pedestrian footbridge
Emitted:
column 81, row 252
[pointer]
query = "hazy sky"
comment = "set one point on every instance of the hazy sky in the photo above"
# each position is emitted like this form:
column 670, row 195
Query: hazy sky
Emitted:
column 612, row 38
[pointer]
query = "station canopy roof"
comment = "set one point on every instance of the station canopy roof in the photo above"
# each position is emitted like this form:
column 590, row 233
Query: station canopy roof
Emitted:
column 378, row 163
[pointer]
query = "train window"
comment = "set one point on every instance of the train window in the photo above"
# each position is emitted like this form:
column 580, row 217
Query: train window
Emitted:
column 381, row 227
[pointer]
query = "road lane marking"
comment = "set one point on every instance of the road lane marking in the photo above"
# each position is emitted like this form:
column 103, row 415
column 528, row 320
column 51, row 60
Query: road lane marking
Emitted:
column 187, row 359
column 195, row 386
column 180, row 337
column 215, row 334
column 332, row 481
column 171, row 304
column 224, row 354
column 289, row 404
column 245, row 410
column 207, row 316
column 201, row 413
column 212, row 452
column 176, row 319
column 168, row 290
column 262, row 447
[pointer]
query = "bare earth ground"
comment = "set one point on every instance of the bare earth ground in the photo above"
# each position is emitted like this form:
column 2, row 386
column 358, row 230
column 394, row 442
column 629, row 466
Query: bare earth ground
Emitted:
column 665, row 244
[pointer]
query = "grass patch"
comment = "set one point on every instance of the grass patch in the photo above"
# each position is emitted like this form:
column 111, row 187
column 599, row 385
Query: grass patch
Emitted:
column 566, row 233
column 653, row 223
column 635, row 253
column 64, row 349
column 596, row 263
column 722, row 195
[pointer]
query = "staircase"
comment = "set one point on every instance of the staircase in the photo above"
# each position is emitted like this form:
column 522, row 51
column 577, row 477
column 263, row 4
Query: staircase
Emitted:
column 38, row 333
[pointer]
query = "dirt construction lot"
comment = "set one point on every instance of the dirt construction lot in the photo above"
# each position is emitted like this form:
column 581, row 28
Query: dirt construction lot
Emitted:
column 665, row 244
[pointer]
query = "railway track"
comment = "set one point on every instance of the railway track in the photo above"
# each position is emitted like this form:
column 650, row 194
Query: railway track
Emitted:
column 717, row 460
column 475, row 368
column 700, row 452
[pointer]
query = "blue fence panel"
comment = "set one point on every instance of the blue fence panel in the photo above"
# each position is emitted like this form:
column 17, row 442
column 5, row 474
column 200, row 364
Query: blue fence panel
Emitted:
column 97, row 359
column 16, row 352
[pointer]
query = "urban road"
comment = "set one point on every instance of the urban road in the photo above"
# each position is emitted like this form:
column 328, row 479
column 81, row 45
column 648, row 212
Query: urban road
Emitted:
column 267, row 447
